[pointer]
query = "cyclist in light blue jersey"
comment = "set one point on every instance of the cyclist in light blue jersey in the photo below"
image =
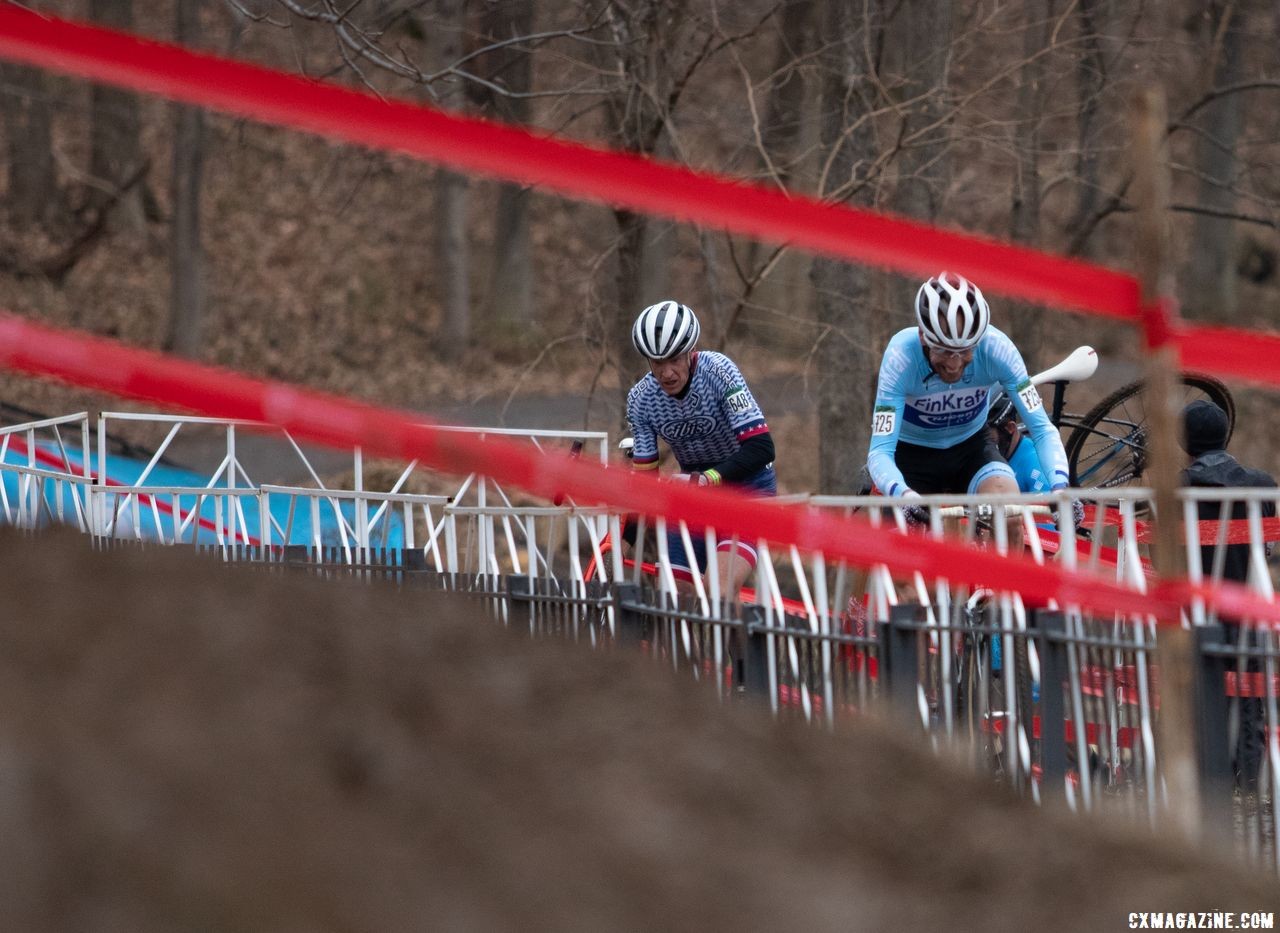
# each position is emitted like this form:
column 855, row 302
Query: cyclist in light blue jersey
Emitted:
column 698, row 403
column 1006, row 432
column 928, row 427
column 1002, row 423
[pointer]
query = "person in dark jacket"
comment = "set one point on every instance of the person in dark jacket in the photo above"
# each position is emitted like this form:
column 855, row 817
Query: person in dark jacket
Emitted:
column 1205, row 433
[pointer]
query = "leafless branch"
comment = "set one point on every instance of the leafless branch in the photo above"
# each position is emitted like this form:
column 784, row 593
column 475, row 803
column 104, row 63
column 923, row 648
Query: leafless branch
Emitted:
column 240, row 9
column 1218, row 93
column 1225, row 215
column 56, row 266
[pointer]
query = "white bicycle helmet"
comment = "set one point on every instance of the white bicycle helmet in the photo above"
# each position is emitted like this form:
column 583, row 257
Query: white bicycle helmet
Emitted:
column 951, row 312
column 665, row 330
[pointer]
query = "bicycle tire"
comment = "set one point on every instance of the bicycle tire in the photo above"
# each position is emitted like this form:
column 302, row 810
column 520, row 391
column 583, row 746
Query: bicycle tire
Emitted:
column 1025, row 704
column 979, row 691
column 1107, row 449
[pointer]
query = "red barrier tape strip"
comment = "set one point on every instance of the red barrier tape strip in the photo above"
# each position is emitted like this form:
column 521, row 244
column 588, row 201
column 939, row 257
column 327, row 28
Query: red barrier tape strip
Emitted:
column 108, row 366
column 578, row 170
column 505, row 152
column 1207, row 531
column 1237, row 531
column 1252, row 355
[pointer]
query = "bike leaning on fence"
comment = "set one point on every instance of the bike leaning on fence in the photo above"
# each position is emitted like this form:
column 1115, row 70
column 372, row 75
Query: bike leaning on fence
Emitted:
column 1107, row 446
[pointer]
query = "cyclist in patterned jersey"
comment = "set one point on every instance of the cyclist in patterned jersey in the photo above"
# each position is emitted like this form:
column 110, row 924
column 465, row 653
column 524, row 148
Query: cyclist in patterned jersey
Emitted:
column 699, row 404
column 928, row 430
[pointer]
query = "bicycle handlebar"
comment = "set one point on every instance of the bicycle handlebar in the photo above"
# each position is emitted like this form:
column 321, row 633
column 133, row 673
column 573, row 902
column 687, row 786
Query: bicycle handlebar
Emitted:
column 964, row 511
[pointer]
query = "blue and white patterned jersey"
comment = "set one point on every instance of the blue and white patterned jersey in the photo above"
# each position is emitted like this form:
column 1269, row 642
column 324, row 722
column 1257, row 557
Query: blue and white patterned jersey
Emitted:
column 705, row 427
column 914, row 404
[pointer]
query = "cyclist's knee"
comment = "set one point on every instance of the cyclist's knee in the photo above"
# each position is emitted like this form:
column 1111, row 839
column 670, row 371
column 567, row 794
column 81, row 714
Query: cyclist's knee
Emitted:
column 735, row 570
column 994, row 479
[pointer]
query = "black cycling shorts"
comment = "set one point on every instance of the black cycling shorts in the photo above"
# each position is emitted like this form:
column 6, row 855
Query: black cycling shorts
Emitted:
column 930, row 470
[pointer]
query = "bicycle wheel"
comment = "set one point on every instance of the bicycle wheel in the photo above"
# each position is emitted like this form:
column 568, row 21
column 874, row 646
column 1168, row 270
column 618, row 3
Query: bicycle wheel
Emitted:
column 979, row 687
column 1108, row 448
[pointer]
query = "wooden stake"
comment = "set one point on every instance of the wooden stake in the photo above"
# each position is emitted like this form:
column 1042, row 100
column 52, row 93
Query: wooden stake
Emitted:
column 1175, row 725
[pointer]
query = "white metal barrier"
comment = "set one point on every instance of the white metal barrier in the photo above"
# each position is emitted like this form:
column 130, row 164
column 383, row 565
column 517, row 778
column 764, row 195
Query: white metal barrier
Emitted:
column 476, row 527
column 41, row 477
column 479, row 528
column 818, row 618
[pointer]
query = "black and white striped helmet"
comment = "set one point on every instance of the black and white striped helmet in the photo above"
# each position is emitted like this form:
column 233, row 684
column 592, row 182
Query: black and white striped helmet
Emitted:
column 665, row 330
column 951, row 312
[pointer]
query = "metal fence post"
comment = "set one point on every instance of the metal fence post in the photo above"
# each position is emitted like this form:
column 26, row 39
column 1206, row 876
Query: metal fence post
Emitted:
column 519, row 597
column 755, row 680
column 900, row 658
column 1213, row 745
column 626, row 597
column 1051, row 629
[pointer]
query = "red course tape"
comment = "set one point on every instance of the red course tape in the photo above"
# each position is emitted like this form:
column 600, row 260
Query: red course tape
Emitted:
column 108, row 366
column 500, row 151
column 619, row 179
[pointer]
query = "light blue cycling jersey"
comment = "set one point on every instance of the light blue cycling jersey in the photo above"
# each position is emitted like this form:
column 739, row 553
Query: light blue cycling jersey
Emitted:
column 1026, row 467
column 913, row 404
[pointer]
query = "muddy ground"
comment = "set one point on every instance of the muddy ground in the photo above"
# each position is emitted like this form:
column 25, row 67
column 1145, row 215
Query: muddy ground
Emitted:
column 186, row 746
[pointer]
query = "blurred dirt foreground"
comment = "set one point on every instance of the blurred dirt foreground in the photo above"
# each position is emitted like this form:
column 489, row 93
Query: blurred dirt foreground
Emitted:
column 186, row 746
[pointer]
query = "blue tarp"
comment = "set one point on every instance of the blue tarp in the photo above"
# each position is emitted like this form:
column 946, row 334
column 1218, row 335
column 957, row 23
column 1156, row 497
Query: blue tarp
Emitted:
column 236, row 516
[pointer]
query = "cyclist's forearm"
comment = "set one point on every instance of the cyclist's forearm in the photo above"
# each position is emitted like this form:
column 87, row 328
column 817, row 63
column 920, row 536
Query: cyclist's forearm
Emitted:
column 886, row 422
column 884, row 471
column 1044, row 435
column 752, row 456
column 1049, row 450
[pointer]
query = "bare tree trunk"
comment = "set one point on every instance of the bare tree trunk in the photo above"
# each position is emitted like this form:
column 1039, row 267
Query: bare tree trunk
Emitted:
column 786, row 107
column 848, row 333
column 656, row 46
column 33, row 184
column 1026, row 321
column 919, row 42
column 509, row 304
column 633, row 232
column 917, row 48
column 453, row 250
column 115, row 151
column 452, row 244
column 1091, row 78
column 788, row 112
column 656, row 251
column 1210, row 280
column 186, row 254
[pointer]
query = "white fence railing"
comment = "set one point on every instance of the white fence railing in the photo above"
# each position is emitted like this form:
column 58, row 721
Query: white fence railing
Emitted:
column 477, row 527
column 816, row 621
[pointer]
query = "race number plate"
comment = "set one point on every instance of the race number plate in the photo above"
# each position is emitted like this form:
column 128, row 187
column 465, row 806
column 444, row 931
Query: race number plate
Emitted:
column 883, row 421
column 1030, row 397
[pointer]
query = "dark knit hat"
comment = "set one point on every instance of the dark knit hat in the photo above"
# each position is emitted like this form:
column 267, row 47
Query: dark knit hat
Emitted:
column 1204, row 427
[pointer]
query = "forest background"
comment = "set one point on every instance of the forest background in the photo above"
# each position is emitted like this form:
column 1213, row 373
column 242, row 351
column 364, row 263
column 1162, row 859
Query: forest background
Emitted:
column 372, row 275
